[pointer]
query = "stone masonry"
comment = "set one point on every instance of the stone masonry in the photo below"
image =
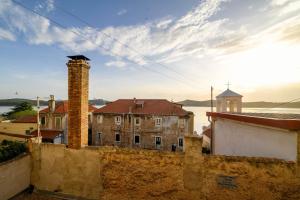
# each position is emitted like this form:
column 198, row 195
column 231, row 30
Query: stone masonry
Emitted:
column 78, row 85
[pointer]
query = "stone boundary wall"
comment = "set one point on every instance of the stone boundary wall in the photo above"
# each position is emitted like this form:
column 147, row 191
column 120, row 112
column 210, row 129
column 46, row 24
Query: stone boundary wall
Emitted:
column 14, row 176
column 117, row 173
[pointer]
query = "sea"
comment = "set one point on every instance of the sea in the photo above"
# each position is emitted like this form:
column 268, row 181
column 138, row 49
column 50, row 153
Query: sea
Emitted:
column 201, row 119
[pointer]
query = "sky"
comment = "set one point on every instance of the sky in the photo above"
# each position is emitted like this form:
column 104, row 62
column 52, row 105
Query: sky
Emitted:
column 171, row 49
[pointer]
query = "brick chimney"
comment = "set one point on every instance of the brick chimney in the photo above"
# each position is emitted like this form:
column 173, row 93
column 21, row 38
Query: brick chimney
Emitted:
column 51, row 104
column 78, row 86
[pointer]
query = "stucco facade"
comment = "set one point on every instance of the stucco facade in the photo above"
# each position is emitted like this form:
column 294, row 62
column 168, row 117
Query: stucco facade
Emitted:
column 237, row 138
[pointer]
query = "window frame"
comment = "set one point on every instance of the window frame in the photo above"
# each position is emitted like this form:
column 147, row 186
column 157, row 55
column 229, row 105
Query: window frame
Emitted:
column 160, row 142
column 139, row 119
column 181, row 122
column 55, row 123
column 118, row 122
column 99, row 119
column 117, row 133
column 45, row 120
column 137, row 135
column 180, row 138
column 156, row 124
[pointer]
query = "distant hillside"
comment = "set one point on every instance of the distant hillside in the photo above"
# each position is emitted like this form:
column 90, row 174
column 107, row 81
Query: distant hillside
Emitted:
column 196, row 103
column 16, row 101
column 258, row 104
column 98, row 102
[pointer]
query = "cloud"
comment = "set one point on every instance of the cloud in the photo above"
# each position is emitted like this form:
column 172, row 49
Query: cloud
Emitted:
column 122, row 12
column 47, row 5
column 163, row 40
column 116, row 63
column 167, row 40
column 6, row 35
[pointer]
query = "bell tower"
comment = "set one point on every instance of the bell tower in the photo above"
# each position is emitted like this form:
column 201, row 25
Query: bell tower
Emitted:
column 229, row 101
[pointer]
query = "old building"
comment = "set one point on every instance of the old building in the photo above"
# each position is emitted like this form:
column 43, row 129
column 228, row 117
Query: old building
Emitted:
column 54, row 120
column 142, row 123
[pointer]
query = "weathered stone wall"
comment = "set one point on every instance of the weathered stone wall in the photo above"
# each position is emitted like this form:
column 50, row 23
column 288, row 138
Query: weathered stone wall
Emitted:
column 119, row 173
column 132, row 174
column 14, row 176
column 169, row 131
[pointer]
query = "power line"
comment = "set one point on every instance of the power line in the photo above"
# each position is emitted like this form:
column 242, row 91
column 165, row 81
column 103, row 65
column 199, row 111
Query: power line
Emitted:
column 118, row 41
column 284, row 103
column 87, row 39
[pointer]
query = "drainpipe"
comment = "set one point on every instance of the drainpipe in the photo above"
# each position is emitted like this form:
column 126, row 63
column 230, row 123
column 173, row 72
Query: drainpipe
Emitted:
column 211, row 133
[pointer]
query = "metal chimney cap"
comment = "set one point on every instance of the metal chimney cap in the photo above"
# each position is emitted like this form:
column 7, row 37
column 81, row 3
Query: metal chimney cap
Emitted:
column 78, row 57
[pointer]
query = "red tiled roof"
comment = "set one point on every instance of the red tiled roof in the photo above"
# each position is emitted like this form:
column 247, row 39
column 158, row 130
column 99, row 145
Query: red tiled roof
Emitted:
column 62, row 107
column 26, row 119
column 289, row 124
column 143, row 106
column 48, row 134
column 207, row 132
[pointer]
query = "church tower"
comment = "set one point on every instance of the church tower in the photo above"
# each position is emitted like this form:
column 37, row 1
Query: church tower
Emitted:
column 229, row 101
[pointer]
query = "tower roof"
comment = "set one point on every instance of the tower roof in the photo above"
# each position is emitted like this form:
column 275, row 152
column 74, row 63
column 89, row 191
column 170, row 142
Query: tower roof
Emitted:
column 229, row 93
column 78, row 57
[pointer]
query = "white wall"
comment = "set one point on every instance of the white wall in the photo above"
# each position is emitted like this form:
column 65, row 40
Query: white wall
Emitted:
column 244, row 139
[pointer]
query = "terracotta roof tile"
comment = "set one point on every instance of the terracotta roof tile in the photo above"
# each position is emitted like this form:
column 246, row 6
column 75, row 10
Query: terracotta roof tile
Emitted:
column 143, row 106
column 62, row 107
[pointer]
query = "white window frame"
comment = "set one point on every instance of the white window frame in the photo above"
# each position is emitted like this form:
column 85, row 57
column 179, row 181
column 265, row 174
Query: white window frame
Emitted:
column 99, row 119
column 139, row 139
column 55, row 118
column 116, row 133
column 135, row 121
column 181, row 122
column 179, row 142
column 160, row 121
column 118, row 120
column 160, row 141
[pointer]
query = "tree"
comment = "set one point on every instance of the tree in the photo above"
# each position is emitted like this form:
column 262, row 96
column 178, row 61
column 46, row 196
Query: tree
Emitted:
column 19, row 110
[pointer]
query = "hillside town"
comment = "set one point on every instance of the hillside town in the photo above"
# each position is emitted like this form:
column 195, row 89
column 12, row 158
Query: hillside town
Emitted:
column 141, row 140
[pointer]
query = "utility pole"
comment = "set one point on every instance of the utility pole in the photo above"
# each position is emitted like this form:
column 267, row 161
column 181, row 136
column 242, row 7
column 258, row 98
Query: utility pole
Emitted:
column 211, row 99
column 38, row 118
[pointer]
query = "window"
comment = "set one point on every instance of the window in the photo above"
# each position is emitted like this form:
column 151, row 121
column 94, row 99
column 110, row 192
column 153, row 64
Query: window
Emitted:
column 118, row 137
column 58, row 122
column 180, row 142
column 157, row 142
column 99, row 138
column 43, row 120
column 118, row 120
column 137, row 121
column 99, row 119
column 136, row 139
column 27, row 132
column 181, row 123
column 158, row 121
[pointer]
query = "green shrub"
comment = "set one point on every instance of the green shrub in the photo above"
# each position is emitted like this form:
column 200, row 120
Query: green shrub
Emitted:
column 11, row 149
